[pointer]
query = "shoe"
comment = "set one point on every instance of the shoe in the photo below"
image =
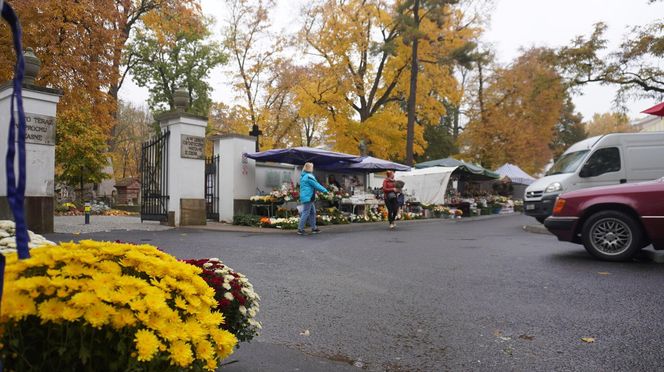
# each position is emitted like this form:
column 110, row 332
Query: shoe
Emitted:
column 315, row 231
column 391, row 226
column 300, row 232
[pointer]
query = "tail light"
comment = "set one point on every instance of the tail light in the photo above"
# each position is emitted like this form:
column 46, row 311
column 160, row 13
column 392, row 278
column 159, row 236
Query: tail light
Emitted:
column 558, row 207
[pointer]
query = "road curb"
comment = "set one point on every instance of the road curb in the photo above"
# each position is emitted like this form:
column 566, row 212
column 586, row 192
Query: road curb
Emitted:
column 537, row 229
column 226, row 227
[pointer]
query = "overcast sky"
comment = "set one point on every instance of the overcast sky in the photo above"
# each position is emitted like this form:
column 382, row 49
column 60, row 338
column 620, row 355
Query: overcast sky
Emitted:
column 514, row 24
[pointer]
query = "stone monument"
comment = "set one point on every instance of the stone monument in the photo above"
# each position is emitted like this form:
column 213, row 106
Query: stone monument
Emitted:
column 40, row 105
column 186, row 162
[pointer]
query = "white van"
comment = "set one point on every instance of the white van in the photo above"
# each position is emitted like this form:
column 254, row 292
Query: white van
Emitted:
column 597, row 161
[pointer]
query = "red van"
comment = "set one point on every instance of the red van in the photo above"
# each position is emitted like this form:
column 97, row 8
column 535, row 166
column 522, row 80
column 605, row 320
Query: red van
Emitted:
column 612, row 222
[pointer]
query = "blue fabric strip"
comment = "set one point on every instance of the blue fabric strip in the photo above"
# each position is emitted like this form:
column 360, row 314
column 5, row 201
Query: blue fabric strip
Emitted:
column 16, row 194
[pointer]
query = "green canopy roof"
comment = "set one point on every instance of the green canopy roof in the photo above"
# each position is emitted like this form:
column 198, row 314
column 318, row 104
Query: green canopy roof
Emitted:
column 470, row 168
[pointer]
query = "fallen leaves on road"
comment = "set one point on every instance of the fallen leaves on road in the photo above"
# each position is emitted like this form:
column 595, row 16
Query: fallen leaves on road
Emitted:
column 526, row 337
column 588, row 340
column 306, row 333
column 604, row 273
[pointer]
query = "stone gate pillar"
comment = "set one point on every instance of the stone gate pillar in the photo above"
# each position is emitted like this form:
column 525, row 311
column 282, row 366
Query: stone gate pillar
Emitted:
column 40, row 106
column 186, row 163
column 237, row 174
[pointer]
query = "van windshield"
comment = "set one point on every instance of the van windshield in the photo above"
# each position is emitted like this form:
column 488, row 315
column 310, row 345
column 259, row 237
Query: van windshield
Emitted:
column 567, row 163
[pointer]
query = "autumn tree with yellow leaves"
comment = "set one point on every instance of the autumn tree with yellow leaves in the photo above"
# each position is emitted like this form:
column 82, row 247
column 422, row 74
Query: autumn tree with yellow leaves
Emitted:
column 83, row 49
column 611, row 122
column 365, row 66
column 522, row 104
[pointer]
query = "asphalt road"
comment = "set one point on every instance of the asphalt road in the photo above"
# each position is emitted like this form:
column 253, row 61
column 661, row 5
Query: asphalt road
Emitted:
column 440, row 296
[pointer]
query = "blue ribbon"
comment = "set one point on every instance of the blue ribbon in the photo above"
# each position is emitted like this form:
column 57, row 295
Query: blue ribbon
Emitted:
column 16, row 194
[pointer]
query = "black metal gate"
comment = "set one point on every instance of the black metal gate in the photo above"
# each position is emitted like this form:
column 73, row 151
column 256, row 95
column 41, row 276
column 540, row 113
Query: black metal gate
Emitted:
column 212, row 187
column 154, row 179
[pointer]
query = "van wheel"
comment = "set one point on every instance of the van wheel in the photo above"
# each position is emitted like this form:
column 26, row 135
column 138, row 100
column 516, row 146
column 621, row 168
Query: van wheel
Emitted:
column 612, row 236
column 540, row 219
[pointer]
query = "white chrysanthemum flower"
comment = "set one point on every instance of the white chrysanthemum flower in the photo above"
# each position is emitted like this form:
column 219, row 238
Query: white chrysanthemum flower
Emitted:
column 228, row 296
column 229, row 277
column 226, row 286
column 207, row 265
column 243, row 310
column 252, row 313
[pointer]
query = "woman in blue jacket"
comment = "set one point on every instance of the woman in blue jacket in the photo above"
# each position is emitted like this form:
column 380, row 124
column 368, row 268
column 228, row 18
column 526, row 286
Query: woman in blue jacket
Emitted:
column 308, row 187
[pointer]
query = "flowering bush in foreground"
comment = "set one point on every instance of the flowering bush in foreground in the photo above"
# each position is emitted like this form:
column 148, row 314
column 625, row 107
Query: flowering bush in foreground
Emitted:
column 92, row 306
column 235, row 297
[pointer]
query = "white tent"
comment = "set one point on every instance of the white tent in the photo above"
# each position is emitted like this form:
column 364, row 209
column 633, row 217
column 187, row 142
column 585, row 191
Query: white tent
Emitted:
column 515, row 174
column 428, row 185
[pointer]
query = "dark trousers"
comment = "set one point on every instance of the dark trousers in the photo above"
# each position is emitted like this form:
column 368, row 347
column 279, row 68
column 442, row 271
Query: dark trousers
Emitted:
column 392, row 209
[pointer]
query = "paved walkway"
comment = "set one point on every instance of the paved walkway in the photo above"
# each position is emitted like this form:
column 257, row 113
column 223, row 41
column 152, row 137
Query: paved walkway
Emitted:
column 76, row 224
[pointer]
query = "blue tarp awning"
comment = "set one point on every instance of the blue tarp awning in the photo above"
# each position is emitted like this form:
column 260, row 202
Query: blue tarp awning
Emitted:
column 301, row 155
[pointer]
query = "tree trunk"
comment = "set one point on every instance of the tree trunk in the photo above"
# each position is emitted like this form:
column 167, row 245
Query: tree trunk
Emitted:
column 480, row 92
column 455, row 123
column 412, row 97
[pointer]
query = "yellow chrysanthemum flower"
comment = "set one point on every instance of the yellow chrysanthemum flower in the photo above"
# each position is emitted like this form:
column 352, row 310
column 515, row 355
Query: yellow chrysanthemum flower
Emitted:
column 204, row 350
column 98, row 314
column 19, row 305
column 147, row 344
column 224, row 340
column 110, row 267
column 51, row 310
column 123, row 318
column 84, row 299
column 181, row 354
column 70, row 313
column 180, row 303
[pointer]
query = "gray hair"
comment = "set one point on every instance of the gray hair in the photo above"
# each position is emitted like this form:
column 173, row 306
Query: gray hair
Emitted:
column 308, row 167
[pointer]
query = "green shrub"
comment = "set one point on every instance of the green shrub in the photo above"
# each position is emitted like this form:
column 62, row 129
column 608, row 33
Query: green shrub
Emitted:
column 246, row 220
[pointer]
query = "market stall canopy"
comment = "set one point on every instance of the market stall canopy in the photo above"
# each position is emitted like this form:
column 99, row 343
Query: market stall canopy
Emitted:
column 515, row 174
column 427, row 185
column 301, row 155
column 472, row 169
column 368, row 164
column 657, row 110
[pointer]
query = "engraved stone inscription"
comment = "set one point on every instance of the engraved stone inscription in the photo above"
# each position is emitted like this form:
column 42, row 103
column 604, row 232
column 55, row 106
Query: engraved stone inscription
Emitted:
column 192, row 147
column 39, row 129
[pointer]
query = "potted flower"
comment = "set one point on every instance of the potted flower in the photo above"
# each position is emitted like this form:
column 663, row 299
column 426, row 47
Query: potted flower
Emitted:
column 235, row 297
column 116, row 306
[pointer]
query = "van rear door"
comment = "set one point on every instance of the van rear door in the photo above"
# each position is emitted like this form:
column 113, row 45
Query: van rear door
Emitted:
column 603, row 167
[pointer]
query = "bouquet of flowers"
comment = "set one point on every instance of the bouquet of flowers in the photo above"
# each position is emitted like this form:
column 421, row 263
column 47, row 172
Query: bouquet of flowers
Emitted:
column 288, row 223
column 235, row 297
column 359, row 218
column 440, row 211
column 88, row 305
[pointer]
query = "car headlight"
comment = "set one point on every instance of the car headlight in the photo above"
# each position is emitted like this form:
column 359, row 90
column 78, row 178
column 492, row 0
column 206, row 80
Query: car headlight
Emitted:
column 556, row 186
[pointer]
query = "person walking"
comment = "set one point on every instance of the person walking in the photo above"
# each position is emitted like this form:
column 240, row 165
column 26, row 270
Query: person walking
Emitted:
column 308, row 187
column 390, row 196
